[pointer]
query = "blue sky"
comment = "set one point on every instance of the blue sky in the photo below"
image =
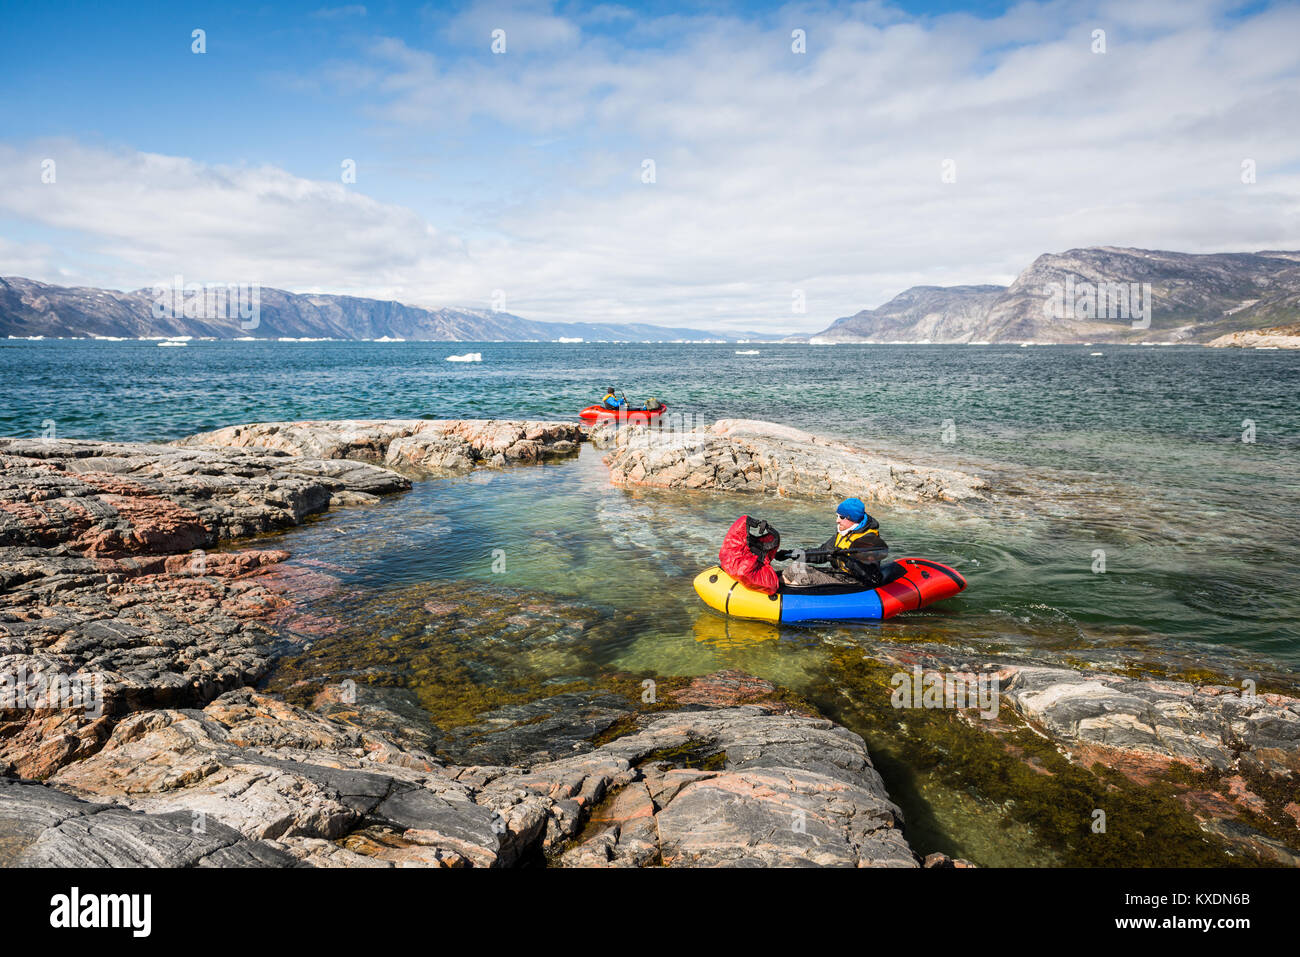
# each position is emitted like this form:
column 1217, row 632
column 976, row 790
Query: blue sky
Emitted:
column 775, row 172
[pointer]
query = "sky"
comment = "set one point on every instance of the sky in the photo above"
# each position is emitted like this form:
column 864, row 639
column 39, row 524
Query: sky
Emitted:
column 908, row 143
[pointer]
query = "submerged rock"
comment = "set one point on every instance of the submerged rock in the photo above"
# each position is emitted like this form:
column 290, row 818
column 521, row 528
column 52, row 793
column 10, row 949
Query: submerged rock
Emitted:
column 745, row 455
column 549, row 728
column 1224, row 759
column 1212, row 726
column 1136, row 721
column 460, row 653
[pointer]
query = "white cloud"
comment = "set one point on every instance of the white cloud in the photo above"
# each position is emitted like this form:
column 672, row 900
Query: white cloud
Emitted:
column 153, row 216
column 775, row 172
column 530, row 27
column 27, row 259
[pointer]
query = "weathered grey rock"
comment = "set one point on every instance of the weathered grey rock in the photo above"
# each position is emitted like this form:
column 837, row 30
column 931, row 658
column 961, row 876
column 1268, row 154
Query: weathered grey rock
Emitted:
column 42, row 827
column 105, row 576
column 1203, row 726
column 27, row 811
column 780, row 818
column 403, row 729
column 269, row 783
column 811, row 798
column 116, row 499
column 745, row 455
column 1141, row 720
column 1248, row 840
column 421, row 446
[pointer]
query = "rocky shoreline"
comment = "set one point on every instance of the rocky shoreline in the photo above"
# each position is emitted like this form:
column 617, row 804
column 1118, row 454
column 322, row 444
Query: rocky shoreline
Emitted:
column 106, row 572
column 252, row 780
column 423, row 446
column 116, row 561
column 1278, row 337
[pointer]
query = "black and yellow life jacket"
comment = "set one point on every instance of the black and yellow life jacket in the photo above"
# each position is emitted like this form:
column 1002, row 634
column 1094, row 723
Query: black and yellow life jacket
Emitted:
column 865, row 550
column 851, row 539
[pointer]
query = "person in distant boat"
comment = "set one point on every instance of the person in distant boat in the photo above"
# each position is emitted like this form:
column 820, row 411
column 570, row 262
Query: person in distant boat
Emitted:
column 612, row 400
column 854, row 552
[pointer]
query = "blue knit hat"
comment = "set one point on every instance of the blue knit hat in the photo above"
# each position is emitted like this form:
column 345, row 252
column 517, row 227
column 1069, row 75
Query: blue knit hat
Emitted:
column 853, row 509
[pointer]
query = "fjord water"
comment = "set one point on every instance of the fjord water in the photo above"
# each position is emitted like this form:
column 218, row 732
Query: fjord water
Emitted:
column 1135, row 455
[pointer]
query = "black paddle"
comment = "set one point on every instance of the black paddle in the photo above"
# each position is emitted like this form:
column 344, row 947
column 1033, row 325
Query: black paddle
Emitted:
column 627, row 406
column 817, row 556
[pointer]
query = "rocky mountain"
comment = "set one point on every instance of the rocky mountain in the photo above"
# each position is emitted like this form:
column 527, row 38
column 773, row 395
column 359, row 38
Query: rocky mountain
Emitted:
column 936, row 313
column 30, row 308
column 1099, row 294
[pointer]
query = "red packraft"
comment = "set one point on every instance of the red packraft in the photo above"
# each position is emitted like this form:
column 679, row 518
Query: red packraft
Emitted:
column 747, row 551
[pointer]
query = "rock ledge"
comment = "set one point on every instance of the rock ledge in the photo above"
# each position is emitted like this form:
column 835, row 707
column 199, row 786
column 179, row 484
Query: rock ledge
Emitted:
column 746, row 455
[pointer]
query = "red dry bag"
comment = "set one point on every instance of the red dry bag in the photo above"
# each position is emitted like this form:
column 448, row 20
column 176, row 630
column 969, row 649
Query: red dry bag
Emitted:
column 747, row 551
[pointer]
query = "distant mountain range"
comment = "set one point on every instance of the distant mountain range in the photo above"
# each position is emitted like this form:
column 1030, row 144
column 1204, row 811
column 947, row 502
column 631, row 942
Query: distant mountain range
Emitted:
column 1193, row 298
column 1098, row 294
column 30, row 308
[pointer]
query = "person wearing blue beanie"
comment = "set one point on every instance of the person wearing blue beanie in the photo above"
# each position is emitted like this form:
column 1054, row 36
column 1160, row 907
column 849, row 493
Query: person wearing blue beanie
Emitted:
column 854, row 511
column 854, row 552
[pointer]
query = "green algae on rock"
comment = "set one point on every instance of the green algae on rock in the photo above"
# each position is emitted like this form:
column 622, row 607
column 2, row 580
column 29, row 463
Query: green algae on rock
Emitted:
column 1031, row 784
